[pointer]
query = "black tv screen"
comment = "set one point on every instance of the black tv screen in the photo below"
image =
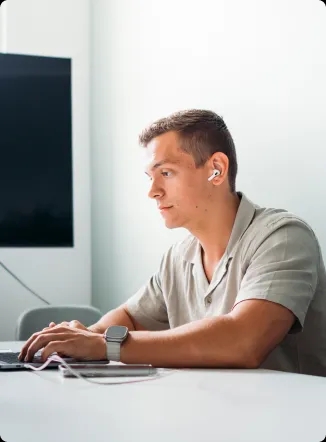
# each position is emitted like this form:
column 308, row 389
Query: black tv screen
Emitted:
column 36, row 192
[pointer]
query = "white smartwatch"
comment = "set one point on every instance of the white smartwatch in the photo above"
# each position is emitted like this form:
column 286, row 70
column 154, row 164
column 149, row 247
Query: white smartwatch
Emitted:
column 114, row 337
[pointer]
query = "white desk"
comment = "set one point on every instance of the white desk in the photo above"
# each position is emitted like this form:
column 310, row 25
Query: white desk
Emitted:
column 189, row 405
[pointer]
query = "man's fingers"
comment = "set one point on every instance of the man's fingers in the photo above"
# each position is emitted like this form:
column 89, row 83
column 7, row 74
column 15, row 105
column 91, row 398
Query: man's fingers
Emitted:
column 56, row 328
column 62, row 355
column 77, row 324
column 54, row 346
column 41, row 341
column 51, row 325
column 73, row 324
column 27, row 344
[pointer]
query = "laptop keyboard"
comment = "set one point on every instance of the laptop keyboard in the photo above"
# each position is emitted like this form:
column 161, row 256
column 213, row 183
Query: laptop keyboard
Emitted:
column 9, row 358
column 12, row 358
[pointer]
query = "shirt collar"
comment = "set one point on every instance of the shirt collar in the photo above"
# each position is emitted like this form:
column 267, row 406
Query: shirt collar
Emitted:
column 244, row 217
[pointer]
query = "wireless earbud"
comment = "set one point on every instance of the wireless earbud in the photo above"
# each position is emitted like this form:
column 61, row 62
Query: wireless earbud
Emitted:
column 214, row 174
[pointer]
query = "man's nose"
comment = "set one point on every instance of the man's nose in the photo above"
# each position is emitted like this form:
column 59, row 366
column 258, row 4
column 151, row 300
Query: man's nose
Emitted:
column 155, row 191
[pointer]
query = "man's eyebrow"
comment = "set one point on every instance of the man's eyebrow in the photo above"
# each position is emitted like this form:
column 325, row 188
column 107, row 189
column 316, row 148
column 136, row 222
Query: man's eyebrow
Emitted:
column 160, row 163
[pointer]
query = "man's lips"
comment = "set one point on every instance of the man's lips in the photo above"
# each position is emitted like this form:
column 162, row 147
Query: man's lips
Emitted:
column 164, row 207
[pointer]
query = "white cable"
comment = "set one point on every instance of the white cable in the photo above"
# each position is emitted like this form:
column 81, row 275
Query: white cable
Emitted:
column 160, row 372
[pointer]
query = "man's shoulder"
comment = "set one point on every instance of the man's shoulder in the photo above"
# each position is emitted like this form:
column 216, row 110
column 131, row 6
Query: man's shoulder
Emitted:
column 267, row 220
column 271, row 222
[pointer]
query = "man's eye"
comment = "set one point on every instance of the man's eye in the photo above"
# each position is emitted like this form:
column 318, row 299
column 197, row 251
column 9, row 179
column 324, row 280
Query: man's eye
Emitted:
column 166, row 174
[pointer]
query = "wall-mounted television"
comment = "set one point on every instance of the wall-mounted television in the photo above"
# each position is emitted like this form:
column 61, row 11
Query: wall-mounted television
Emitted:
column 36, row 182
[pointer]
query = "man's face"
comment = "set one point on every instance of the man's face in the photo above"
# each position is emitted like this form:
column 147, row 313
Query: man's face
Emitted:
column 181, row 190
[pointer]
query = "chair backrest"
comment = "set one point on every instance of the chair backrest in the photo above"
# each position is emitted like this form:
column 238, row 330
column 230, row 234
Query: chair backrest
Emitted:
column 35, row 319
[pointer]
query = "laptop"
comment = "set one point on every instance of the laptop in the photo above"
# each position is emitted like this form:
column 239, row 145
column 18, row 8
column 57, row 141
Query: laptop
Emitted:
column 9, row 361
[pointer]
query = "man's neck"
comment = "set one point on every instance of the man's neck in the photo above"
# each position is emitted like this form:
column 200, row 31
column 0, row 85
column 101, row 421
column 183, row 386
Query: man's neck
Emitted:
column 215, row 230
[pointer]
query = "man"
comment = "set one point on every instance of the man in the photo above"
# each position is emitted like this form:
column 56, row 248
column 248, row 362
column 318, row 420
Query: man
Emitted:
column 246, row 288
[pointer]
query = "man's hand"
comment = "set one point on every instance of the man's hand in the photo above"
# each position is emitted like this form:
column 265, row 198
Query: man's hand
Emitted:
column 73, row 324
column 69, row 341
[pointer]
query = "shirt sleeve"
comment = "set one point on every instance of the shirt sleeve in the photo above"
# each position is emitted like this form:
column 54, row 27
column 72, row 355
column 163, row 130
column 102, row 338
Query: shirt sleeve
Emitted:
column 284, row 269
column 148, row 305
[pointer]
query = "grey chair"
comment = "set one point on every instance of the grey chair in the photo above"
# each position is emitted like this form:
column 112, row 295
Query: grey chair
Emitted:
column 35, row 319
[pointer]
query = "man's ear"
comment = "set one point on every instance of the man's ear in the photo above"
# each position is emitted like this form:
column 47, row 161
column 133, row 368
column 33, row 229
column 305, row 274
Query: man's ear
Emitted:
column 219, row 161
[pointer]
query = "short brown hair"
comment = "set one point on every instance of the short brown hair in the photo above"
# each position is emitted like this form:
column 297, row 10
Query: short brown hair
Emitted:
column 202, row 133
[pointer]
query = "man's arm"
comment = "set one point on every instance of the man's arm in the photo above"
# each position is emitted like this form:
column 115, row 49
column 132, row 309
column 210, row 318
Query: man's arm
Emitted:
column 118, row 316
column 274, row 297
column 60, row 332
column 241, row 339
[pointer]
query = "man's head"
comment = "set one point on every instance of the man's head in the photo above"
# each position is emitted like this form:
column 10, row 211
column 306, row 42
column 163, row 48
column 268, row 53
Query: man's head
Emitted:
column 182, row 152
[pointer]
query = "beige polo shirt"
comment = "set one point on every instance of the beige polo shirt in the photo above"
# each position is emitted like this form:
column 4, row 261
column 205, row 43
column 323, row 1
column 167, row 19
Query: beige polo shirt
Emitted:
column 273, row 255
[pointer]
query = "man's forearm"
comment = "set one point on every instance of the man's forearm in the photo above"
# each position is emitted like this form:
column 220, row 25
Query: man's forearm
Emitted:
column 211, row 342
column 118, row 316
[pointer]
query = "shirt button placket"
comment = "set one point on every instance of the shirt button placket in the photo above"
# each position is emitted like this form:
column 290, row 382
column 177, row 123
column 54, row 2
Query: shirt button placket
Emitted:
column 208, row 300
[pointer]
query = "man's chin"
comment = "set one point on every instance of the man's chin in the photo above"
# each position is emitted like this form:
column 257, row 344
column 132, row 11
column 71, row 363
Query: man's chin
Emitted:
column 171, row 220
column 172, row 224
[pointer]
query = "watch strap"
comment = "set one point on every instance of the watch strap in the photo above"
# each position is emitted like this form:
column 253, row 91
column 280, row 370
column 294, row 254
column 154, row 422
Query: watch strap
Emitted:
column 113, row 351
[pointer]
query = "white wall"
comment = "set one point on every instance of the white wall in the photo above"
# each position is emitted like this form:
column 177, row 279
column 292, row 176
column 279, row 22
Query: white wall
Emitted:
column 52, row 28
column 260, row 64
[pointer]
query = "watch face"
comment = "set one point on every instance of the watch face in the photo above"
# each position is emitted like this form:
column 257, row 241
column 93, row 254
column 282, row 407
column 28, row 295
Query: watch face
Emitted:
column 117, row 332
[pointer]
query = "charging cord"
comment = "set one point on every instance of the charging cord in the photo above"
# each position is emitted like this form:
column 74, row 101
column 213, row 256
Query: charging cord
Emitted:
column 159, row 372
